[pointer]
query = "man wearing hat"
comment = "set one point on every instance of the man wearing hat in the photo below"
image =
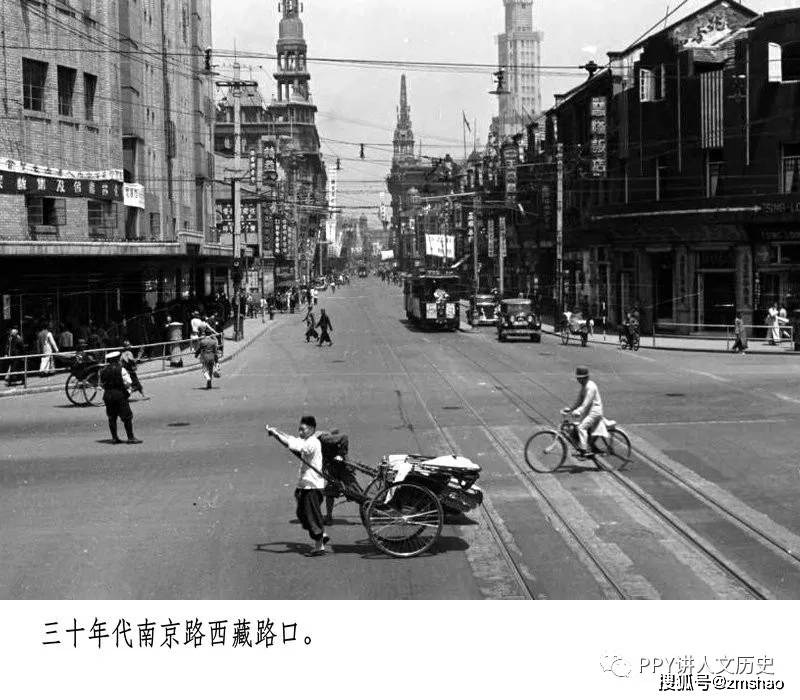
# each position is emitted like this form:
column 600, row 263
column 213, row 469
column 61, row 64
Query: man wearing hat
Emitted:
column 15, row 349
column 116, row 381
column 588, row 409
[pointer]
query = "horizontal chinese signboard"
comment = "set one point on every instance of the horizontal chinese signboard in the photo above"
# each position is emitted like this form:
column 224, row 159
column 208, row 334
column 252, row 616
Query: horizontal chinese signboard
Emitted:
column 49, row 186
column 17, row 177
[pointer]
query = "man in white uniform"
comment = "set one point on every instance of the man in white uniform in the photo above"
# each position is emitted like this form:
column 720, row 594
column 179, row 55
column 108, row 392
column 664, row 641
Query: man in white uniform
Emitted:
column 588, row 408
column 311, row 483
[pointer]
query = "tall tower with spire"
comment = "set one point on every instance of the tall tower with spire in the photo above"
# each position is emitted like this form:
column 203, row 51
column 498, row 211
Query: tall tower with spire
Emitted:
column 403, row 133
column 292, row 121
column 519, row 54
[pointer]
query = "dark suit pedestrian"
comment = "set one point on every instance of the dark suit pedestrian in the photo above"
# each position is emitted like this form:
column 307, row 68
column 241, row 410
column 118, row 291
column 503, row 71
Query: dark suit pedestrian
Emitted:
column 325, row 326
column 116, row 381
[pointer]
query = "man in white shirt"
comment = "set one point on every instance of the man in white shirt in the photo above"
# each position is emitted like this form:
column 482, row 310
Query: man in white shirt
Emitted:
column 311, row 482
column 588, row 408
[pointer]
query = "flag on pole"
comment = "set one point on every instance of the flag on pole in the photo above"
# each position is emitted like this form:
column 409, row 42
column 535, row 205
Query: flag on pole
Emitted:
column 466, row 121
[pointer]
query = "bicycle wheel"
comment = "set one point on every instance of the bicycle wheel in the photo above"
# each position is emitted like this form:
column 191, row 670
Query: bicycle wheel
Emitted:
column 90, row 386
column 404, row 520
column 545, row 451
column 623, row 343
column 636, row 342
column 618, row 449
column 564, row 336
column 74, row 391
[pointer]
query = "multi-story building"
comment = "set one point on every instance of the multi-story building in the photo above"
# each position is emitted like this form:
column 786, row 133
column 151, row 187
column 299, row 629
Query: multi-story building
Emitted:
column 519, row 55
column 105, row 191
column 681, row 173
column 282, row 221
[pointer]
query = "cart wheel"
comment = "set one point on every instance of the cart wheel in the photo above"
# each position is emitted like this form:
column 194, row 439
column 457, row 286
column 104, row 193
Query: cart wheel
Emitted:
column 90, row 386
column 545, row 451
column 74, row 391
column 636, row 342
column 564, row 335
column 623, row 343
column 618, row 449
column 584, row 339
column 404, row 520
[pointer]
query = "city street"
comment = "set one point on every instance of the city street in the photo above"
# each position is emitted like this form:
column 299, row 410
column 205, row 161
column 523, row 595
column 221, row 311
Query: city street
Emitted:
column 204, row 507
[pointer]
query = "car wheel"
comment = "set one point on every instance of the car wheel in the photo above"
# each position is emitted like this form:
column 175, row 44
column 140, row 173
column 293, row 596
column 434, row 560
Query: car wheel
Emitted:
column 536, row 338
column 501, row 337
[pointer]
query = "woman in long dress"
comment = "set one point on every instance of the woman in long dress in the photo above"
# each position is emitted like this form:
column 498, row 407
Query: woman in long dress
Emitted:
column 775, row 325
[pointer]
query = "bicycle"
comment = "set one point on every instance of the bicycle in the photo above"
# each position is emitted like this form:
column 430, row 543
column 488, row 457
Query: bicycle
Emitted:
column 546, row 450
column 625, row 343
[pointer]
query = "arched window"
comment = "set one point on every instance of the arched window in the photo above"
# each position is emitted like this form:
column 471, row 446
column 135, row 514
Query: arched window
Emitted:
column 790, row 61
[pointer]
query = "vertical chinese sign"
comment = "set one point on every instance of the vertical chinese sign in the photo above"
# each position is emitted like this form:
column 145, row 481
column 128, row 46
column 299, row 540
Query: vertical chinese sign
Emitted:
column 599, row 146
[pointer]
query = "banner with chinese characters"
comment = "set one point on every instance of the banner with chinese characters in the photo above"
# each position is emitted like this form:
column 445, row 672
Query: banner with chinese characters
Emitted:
column 450, row 247
column 48, row 186
column 434, row 245
column 598, row 136
column 502, row 237
column 133, row 195
column 17, row 177
column 490, row 238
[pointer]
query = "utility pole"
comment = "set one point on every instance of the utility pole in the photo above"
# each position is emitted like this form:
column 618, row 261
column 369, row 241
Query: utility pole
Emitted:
column 559, row 227
column 237, row 248
column 501, row 253
column 476, row 227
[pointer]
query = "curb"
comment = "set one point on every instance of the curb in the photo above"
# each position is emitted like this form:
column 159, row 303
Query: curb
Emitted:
column 609, row 343
column 158, row 374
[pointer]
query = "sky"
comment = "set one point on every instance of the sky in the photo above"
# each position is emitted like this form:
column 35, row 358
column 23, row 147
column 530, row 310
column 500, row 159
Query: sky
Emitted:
column 358, row 104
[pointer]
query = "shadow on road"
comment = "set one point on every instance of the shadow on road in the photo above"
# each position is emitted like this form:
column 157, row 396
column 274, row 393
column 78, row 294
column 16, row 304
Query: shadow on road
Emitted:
column 364, row 548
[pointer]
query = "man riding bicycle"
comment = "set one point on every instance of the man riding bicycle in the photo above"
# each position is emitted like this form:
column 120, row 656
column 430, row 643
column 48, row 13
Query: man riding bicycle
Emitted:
column 588, row 410
column 631, row 326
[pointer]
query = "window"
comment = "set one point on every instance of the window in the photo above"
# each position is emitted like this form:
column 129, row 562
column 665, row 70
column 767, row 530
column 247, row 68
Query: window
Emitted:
column 775, row 60
column 34, row 78
column 155, row 226
column 715, row 163
column 661, row 83
column 66, row 89
column 89, row 89
column 790, row 61
column 102, row 217
column 791, row 168
column 46, row 211
column 646, row 85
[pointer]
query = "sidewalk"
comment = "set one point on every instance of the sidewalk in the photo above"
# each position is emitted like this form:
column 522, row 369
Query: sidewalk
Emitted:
column 756, row 346
column 157, row 366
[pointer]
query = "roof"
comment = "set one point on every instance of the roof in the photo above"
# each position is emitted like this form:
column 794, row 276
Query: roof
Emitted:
column 705, row 8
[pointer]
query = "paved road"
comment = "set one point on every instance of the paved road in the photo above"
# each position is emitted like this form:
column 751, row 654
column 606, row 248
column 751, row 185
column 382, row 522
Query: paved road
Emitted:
column 204, row 508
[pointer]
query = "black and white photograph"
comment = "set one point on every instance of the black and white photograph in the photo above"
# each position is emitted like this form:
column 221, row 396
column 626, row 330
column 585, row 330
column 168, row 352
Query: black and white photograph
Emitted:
column 411, row 314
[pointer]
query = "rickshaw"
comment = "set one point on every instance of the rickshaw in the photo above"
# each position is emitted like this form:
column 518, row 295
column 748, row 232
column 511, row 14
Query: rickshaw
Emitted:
column 404, row 499
column 482, row 310
column 574, row 324
column 83, row 383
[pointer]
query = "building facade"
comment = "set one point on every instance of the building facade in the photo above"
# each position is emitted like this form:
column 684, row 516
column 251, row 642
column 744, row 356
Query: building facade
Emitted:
column 519, row 54
column 282, row 216
column 679, row 166
column 104, row 139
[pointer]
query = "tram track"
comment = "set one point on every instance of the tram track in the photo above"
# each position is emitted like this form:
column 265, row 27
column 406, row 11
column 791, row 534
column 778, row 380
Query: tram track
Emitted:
column 516, row 568
column 533, row 413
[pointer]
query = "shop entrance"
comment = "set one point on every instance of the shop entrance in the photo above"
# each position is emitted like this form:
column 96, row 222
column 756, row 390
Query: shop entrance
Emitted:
column 716, row 298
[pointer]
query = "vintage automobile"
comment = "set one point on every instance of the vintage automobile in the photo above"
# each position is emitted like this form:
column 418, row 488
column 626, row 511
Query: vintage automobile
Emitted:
column 516, row 318
column 482, row 310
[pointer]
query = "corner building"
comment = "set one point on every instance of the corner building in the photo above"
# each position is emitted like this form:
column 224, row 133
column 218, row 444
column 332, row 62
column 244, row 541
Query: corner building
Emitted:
column 105, row 187
column 682, row 173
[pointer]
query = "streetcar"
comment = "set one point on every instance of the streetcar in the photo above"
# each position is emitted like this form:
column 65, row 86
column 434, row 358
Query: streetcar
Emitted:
column 431, row 300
